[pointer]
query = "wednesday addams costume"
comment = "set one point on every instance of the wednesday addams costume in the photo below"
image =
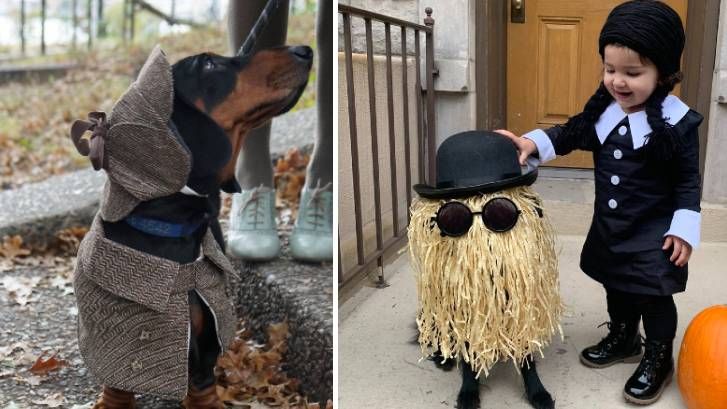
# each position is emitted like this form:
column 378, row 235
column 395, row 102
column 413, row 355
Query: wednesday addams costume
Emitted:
column 647, row 187
column 638, row 202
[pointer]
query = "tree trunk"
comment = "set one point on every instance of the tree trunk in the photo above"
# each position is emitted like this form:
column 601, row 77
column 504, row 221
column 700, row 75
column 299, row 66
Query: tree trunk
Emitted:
column 22, row 27
column 74, row 9
column 42, row 27
column 100, row 21
column 89, row 16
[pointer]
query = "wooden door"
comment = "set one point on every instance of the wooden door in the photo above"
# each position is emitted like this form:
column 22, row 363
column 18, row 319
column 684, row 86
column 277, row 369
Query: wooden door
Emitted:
column 553, row 65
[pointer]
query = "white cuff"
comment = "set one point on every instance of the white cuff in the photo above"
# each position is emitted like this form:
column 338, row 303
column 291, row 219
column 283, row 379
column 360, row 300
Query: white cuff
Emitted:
column 546, row 151
column 685, row 224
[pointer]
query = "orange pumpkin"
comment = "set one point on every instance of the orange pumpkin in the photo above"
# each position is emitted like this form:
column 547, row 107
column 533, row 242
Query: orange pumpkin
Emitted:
column 702, row 367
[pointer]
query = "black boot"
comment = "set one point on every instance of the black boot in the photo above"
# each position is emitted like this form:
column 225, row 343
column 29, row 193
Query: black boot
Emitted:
column 653, row 374
column 622, row 344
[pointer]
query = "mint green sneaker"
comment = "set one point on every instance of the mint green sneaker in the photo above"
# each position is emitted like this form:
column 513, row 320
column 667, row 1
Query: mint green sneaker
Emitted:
column 253, row 233
column 312, row 238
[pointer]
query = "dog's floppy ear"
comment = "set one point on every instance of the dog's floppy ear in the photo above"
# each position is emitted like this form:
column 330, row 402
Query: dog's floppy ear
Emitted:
column 206, row 141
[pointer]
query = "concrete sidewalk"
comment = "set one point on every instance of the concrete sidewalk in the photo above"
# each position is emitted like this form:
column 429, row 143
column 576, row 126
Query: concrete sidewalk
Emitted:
column 379, row 365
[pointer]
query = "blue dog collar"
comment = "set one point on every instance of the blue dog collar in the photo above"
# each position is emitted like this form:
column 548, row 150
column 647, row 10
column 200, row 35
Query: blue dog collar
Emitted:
column 161, row 228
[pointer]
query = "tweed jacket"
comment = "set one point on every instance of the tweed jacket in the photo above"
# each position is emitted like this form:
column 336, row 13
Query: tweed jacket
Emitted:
column 133, row 308
column 133, row 312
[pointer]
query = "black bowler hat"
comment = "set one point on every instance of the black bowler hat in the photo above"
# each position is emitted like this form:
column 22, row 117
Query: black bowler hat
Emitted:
column 476, row 162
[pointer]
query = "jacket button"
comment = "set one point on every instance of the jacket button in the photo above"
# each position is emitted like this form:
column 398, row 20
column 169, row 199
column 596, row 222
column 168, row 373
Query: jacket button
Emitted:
column 622, row 130
column 615, row 180
column 144, row 335
column 612, row 204
column 618, row 154
column 136, row 365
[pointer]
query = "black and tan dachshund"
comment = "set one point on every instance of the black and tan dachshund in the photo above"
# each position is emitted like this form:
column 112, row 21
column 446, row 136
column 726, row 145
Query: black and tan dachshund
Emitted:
column 217, row 101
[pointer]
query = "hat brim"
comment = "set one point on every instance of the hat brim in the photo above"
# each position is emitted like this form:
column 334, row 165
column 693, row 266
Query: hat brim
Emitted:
column 431, row 192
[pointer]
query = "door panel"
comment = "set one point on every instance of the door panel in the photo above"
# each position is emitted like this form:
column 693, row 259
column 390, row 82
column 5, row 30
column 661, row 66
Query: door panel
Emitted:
column 554, row 65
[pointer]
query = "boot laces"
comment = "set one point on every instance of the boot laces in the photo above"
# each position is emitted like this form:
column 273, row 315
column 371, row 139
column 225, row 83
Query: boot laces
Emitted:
column 252, row 205
column 616, row 334
column 653, row 359
column 316, row 212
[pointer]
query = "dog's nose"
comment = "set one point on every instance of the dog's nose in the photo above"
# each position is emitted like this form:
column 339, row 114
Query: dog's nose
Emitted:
column 303, row 52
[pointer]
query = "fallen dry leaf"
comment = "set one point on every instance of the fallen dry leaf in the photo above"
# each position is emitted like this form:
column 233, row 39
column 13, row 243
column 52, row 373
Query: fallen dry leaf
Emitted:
column 69, row 239
column 12, row 247
column 249, row 370
column 289, row 178
column 43, row 367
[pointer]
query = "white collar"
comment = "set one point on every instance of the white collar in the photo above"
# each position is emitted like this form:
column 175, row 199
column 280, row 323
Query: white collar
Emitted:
column 672, row 108
column 190, row 192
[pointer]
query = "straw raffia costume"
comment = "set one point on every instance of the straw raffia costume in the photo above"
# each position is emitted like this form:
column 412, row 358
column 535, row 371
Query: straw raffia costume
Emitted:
column 484, row 296
column 133, row 312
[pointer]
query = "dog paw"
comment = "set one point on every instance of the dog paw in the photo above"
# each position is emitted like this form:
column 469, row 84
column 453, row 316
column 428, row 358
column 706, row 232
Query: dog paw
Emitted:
column 441, row 363
column 468, row 400
column 542, row 400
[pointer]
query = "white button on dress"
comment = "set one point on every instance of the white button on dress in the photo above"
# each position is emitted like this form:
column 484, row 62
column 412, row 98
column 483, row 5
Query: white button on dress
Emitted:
column 618, row 154
column 622, row 130
column 615, row 180
column 612, row 204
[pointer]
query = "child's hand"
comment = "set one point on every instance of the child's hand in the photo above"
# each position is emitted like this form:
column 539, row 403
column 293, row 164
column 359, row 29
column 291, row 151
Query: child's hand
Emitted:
column 682, row 250
column 525, row 146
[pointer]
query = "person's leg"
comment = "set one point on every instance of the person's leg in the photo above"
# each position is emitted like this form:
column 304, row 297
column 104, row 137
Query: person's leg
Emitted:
column 312, row 239
column 657, row 366
column 320, row 168
column 253, row 231
column 622, row 344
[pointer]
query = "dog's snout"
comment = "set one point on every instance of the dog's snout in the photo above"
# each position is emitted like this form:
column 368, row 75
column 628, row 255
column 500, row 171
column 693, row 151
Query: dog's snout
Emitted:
column 303, row 52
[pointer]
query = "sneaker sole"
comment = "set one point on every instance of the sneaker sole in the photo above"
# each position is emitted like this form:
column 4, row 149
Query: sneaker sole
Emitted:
column 626, row 360
column 637, row 401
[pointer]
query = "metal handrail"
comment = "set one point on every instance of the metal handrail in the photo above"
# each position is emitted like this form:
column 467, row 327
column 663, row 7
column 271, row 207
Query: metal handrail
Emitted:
column 425, row 129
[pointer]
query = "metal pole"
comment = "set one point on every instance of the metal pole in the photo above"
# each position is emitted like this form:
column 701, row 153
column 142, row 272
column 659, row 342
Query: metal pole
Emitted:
column 431, row 125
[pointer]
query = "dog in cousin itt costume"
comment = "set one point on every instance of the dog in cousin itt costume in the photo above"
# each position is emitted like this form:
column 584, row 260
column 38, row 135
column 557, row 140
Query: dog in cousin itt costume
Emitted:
column 486, row 269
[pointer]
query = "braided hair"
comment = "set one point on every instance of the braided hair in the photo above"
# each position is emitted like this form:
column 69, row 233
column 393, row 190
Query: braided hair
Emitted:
column 653, row 30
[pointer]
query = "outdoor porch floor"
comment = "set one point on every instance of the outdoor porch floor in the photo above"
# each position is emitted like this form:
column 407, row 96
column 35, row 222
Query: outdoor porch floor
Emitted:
column 380, row 366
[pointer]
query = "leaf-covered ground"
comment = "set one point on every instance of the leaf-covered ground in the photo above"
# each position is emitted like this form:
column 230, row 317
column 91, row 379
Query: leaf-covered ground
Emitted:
column 35, row 117
column 41, row 366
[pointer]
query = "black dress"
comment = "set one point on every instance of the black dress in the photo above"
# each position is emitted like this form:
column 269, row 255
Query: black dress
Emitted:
column 637, row 201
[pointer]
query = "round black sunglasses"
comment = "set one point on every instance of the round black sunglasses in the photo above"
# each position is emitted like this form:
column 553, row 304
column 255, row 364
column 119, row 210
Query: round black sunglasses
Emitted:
column 455, row 218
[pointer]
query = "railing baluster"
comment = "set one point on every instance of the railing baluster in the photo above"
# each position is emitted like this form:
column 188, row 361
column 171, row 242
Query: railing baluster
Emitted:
column 425, row 133
column 374, row 145
column 405, row 95
column 353, row 136
column 392, row 132
column 421, row 142
column 431, row 125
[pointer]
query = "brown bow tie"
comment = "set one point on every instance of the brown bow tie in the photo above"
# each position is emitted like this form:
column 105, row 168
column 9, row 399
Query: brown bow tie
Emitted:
column 92, row 147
